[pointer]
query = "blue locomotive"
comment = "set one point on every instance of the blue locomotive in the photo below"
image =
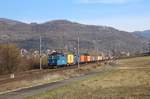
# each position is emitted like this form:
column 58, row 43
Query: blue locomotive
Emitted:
column 57, row 59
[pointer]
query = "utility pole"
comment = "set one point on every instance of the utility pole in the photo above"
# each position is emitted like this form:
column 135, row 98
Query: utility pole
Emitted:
column 96, row 47
column 149, row 47
column 78, row 50
column 40, row 53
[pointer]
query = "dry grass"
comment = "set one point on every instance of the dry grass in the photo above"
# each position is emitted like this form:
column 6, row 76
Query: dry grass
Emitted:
column 135, row 62
column 115, row 84
column 48, row 77
column 30, row 82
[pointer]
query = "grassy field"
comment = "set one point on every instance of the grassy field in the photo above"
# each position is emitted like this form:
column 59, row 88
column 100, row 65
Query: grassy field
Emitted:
column 40, row 78
column 130, row 80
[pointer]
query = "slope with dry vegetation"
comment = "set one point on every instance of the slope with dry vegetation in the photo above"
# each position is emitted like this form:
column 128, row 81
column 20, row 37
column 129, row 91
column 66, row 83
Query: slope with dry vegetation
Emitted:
column 131, row 80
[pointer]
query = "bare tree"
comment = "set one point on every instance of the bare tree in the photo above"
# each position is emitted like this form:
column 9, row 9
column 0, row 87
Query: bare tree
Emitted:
column 9, row 57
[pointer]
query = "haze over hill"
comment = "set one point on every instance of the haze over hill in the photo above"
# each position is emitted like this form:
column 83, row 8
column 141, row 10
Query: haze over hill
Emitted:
column 60, row 34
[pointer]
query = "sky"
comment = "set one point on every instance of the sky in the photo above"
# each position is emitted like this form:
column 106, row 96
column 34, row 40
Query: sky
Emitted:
column 127, row 15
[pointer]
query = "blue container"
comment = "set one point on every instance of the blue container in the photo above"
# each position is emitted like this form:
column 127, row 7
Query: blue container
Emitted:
column 76, row 59
column 57, row 59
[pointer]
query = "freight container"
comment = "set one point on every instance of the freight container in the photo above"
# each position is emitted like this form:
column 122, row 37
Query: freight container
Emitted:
column 99, row 58
column 70, row 59
column 92, row 58
column 82, row 58
column 88, row 58
column 76, row 59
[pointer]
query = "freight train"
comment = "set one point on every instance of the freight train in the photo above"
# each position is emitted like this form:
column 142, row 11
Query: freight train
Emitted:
column 60, row 59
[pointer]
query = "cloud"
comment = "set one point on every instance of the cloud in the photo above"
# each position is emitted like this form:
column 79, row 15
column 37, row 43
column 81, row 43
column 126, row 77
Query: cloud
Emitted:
column 106, row 1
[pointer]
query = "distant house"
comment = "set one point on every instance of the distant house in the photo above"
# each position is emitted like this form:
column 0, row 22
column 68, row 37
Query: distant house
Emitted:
column 24, row 52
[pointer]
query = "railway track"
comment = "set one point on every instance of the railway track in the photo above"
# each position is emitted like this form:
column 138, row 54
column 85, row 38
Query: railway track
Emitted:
column 34, row 73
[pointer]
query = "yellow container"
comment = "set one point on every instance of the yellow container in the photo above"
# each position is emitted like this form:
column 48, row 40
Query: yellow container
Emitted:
column 70, row 59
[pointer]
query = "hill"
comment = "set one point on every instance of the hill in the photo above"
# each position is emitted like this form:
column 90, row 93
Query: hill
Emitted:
column 145, row 33
column 62, row 34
